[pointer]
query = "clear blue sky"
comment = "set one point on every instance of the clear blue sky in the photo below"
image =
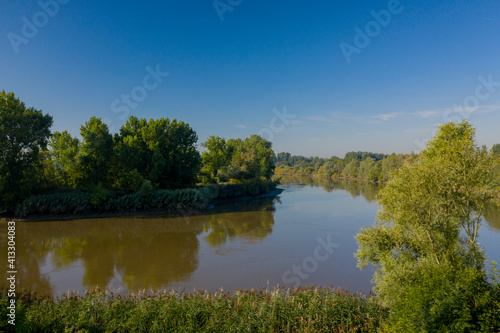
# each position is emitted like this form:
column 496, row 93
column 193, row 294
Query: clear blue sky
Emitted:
column 227, row 76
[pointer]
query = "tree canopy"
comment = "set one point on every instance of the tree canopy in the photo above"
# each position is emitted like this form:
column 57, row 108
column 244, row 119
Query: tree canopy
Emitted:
column 24, row 132
column 424, row 243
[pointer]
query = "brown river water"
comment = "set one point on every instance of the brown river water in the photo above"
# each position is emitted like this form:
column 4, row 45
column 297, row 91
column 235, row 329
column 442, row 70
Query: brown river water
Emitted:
column 305, row 236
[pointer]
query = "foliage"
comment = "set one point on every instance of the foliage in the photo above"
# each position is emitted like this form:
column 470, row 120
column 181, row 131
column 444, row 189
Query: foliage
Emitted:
column 24, row 133
column 351, row 169
column 160, row 150
column 430, row 268
column 361, row 165
column 146, row 189
column 96, row 153
column 218, row 155
column 238, row 161
column 496, row 149
column 63, row 159
column 99, row 199
column 72, row 202
column 279, row 310
column 98, row 195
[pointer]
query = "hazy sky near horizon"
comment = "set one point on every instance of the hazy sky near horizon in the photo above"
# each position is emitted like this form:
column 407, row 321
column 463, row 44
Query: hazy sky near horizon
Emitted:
column 320, row 78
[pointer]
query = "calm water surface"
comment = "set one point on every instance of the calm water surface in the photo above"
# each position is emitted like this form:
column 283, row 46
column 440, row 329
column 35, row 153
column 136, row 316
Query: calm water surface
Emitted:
column 244, row 244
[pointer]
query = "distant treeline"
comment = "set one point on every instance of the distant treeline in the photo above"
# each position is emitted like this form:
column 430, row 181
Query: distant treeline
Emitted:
column 45, row 171
column 361, row 165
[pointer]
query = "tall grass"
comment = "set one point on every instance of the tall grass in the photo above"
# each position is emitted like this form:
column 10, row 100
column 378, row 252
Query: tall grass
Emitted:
column 102, row 200
column 279, row 310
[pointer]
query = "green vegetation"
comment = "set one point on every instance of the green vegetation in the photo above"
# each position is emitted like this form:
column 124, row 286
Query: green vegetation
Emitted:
column 148, row 165
column 281, row 310
column 24, row 133
column 431, row 271
column 238, row 161
column 359, row 165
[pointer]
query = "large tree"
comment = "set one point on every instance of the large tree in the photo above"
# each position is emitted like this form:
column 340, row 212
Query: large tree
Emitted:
column 160, row 150
column 424, row 244
column 63, row 159
column 252, row 159
column 96, row 153
column 217, row 156
column 24, row 132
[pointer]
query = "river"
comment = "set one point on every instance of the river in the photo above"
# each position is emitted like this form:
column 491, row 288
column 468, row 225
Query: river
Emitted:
column 304, row 236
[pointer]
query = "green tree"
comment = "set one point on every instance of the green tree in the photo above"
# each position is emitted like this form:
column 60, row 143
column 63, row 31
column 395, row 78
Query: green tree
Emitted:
column 351, row 169
column 160, row 150
column 63, row 158
column 496, row 149
column 429, row 266
column 218, row 155
column 252, row 159
column 390, row 164
column 365, row 167
column 96, row 153
column 24, row 132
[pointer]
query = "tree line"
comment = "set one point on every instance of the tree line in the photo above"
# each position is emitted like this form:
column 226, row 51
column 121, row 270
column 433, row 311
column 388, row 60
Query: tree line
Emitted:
column 361, row 165
column 156, row 154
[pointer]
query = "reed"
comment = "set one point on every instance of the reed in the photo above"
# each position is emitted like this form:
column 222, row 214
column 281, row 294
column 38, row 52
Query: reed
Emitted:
column 278, row 310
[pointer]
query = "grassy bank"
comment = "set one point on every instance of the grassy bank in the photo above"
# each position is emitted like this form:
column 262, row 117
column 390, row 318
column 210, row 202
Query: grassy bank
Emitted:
column 280, row 310
column 101, row 200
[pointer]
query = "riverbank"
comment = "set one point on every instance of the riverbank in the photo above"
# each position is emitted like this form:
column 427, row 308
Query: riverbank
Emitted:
column 277, row 310
column 64, row 205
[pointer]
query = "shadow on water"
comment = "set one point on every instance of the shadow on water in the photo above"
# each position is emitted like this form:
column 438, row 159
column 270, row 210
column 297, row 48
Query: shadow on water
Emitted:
column 128, row 253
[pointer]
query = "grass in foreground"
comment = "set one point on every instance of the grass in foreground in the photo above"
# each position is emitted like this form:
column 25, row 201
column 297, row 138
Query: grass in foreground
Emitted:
column 279, row 310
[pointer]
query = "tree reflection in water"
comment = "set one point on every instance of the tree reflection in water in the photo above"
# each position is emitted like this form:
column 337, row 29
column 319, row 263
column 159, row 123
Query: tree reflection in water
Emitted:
column 367, row 190
column 131, row 253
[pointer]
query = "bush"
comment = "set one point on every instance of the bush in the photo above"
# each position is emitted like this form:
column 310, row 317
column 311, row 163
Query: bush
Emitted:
column 98, row 195
column 146, row 189
column 55, row 203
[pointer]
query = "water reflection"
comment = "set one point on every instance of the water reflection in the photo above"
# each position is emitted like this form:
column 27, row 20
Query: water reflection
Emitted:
column 240, row 244
column 367, row 190
column 128, row 253
column 492, row 216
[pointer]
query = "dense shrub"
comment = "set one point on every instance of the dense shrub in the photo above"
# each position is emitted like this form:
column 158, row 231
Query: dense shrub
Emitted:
column 146, row 199
column 55, row 203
